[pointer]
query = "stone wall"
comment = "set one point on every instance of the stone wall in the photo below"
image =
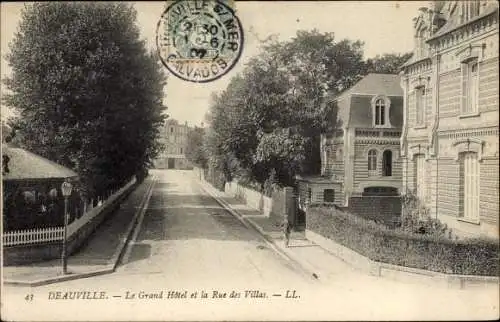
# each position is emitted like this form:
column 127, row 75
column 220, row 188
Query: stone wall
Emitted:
column 276, row 207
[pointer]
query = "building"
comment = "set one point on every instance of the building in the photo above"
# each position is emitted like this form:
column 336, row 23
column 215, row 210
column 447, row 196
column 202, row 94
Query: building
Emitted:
column 31, row 187
column 174, row 138
column 361, row 159
column 449, row 142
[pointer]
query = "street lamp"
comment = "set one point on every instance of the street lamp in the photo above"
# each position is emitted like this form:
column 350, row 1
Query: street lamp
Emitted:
column 66, row 187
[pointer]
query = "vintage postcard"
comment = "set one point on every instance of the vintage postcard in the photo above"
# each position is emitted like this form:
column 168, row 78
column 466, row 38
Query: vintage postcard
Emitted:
column 230, row 160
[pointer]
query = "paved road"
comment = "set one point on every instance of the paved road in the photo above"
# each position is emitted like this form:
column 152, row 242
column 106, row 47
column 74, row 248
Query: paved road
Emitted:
column 187, row 243
column 187, row 236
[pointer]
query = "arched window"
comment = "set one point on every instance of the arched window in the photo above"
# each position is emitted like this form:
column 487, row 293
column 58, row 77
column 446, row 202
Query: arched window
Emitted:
column 372, row 162
column 380, row 112
column 387, row 163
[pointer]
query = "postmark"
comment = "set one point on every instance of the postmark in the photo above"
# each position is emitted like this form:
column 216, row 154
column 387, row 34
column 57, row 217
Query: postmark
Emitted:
column 199, row 41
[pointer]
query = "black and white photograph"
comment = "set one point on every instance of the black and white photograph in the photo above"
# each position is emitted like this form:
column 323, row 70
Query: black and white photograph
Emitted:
column 222, row 160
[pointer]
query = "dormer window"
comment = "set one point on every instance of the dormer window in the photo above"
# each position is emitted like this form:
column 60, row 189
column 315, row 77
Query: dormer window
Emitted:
column 380, row 112
column 380, row 106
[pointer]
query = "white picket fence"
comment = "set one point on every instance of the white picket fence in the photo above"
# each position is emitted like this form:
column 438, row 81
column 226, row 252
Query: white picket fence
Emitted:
column 40, row 235
column 31, row 236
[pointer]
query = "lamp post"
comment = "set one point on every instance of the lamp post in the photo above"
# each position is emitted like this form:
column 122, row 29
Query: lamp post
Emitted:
column 66, row 187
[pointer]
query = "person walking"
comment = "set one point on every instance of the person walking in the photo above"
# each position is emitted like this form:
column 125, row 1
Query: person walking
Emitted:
column 287, row 229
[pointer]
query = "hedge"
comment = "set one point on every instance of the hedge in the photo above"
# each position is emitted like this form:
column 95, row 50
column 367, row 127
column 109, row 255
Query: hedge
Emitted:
column 474, row 256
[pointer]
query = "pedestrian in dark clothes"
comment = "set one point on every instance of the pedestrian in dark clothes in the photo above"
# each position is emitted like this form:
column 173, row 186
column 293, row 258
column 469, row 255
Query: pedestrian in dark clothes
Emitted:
column 287, row 229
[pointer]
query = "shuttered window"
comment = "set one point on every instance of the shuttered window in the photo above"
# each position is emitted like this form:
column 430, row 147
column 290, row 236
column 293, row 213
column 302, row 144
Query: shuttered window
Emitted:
column 470, row 189
column 420, row 105
column 420, row 177
column 470, row 87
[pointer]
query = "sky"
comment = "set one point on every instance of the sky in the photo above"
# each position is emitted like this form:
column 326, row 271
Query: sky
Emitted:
column 384, row 27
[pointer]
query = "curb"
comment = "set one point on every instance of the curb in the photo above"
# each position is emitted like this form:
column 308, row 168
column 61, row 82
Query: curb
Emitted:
column 305, row 269
column 123, row 245
column 400, row 273
column 113, row 262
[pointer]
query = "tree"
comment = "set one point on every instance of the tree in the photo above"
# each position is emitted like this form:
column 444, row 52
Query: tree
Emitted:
column 88, row 92
column 387, row 63
column 195, row 151
column 269, row 118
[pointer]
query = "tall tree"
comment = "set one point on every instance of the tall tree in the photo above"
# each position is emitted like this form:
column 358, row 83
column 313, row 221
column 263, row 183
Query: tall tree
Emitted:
column 88, row 92
column 270, row 117
column 195, row 151
column 387, row 63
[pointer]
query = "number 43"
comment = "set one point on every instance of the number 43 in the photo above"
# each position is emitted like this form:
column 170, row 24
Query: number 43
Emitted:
column 29, row 297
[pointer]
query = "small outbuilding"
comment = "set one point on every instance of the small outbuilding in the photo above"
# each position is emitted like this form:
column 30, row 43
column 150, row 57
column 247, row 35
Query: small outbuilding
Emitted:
column 32, row 195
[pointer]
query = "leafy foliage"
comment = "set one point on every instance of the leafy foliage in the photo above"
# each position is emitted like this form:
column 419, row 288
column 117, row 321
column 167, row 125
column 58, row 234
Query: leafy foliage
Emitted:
column 195, row 151
column 270, row 117
column 387, row 63
column 88, row 92
column 416, row 218
column 474, row 256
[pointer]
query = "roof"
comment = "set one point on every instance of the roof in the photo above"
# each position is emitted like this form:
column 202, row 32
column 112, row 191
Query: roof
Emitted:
column 353, row 105
column 27, row 165
column 454, row 23
column 374, row 84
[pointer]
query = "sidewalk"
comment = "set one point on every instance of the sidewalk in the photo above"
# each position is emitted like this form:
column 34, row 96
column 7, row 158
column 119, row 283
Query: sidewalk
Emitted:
column 99, row 255
column 313, row 259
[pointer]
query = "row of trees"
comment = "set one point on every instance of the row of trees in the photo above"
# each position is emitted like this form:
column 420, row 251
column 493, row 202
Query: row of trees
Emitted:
column 266, row 125
column 88, row 92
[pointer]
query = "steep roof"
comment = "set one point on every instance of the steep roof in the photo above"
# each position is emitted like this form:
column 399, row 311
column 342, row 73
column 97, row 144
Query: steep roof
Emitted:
column 27, row 165
column 371, row 84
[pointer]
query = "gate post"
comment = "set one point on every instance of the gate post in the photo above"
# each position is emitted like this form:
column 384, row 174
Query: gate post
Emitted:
column 289, row 208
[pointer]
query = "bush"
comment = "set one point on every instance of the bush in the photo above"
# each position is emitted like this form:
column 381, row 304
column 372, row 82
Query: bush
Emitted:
column 416, row 218
column 477, row 256
column 216, row 178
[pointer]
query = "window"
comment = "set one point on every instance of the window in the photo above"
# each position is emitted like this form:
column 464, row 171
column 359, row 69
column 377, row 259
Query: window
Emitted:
column 470, row 186
column 380, row 191
column 372, row 162
column 420, row 177
column 420, row 104
column 328, row 195
column 309, row 195
column 470, row 87
column 181, row 151
column 379, row 112
column 340, row 154
column 387, row 163
column 171, row 130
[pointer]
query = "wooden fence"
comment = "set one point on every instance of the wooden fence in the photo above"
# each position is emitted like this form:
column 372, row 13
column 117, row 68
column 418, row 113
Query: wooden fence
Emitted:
column 32, row 236
column 49, row 234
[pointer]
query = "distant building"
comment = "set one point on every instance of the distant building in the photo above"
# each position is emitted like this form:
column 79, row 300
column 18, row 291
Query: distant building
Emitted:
column 174, row 138
column 450, row 134
column 362, row 157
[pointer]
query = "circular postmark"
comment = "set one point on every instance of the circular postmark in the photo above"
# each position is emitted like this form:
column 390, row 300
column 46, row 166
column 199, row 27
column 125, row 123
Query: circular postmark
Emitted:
column 199, row 41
